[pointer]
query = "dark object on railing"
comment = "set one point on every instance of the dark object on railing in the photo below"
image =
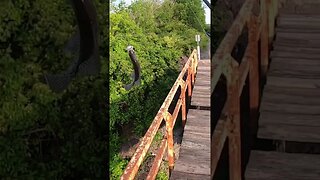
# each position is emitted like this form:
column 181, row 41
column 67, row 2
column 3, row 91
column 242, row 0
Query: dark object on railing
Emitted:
column 87, row 61
column 208, row 4
column 136, row 76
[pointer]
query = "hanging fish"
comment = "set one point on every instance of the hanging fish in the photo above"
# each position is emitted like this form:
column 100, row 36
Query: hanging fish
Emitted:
column 136, row 76
column 87, row 60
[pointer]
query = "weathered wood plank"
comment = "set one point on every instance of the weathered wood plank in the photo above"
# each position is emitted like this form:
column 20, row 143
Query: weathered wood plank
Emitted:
column 198, row 115
column 305, row 92
column 293, row 82
column 295, row 49
column 296, row 61
column 194, row 155
column 201, row 91
column 280, row 166
column 286, row 72
column 201, row 101
column 201, row 86
column 304, row 71
column 202, row 82
column 313, row 36
column 196, row 161
column 305, row 96
column 289, row 99
column 300, row 17
column 296, row 29
column 290, row 132
column 203, row 78
column 298, row 42
column 290, row 108
column 198, row 121
column 269, row 117
column 297, row 56
column 198, row 132
column 308, row 22
column 301, row 9
column 176, row 175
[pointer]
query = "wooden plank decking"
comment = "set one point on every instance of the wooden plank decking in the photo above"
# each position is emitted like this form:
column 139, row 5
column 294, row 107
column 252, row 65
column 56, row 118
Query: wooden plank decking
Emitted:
column 290, row 107
column 201, row 92
column 194, row 155
column 283, row 166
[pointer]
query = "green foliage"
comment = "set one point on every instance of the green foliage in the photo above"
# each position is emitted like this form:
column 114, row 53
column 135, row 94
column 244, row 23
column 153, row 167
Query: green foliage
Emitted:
column 116, row 167
column 162, row 176
column 160, row 33
column 44, row 135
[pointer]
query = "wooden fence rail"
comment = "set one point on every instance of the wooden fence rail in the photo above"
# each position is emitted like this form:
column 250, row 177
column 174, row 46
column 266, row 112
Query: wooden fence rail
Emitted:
column 132, row 168
column 228, row 126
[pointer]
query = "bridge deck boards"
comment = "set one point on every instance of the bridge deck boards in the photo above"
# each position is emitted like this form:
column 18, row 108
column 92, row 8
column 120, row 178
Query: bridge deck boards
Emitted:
column 290, row 106
column 201, row 91
column 194, row 155
column 292, row 89
column 279, row 166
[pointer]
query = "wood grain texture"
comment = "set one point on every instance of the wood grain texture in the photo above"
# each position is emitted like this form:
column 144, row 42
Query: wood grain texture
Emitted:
column 290, row 132
column 290, row 106
column 281, row 166
column 295, row 49
column 296, row 29
column 194, row 155
column 177, row 175
column 303, row 96
column 201, row 92
column 295, row 54
column 292, row 82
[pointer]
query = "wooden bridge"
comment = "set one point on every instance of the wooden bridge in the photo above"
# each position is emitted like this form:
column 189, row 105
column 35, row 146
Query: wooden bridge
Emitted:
column 283, row 49
column 279, row 71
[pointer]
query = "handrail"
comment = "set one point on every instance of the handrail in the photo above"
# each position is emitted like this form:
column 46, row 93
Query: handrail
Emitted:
column 133, row 166
column 259, row 27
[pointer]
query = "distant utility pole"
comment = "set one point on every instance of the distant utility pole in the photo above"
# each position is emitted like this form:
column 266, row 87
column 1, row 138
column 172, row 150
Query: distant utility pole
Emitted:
column 198, row 45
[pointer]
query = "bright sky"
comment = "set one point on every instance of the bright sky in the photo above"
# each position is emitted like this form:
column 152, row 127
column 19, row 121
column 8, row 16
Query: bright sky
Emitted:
column 206, row 9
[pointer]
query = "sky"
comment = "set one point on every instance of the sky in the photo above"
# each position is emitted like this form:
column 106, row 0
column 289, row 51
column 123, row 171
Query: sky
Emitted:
column 206, row 9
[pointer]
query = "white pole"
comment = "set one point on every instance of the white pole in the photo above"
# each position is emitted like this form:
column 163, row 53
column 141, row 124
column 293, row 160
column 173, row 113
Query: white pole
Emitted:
column 198, row 45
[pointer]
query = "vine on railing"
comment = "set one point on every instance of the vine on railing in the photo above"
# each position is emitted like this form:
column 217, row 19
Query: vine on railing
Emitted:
column 132, row 168
column 259, row 27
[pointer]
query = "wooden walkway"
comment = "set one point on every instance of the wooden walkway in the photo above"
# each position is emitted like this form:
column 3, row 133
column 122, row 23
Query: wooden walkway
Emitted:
column 290, row 107
column 194, row 156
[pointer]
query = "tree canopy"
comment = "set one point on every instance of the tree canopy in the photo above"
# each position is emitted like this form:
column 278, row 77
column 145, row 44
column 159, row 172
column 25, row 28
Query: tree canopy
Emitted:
column 161, row 32
column 44, row 135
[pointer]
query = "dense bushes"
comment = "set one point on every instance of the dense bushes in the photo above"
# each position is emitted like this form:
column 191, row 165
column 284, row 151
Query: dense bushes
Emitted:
column 160, row 33
column 44, row 135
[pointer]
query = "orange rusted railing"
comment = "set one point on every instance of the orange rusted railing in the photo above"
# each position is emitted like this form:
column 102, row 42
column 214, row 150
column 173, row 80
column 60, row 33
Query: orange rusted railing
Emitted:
column 228, row 126
column 132, row 168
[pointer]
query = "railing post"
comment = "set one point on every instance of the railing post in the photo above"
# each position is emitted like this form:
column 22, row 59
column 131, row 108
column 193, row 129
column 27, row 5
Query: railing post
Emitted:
column 264, row 39
column 234, row 135
column 189, row 81
column 253, row 74
column 169, row 129
column 183, row 103
column 192, row 69
column 196, row 61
